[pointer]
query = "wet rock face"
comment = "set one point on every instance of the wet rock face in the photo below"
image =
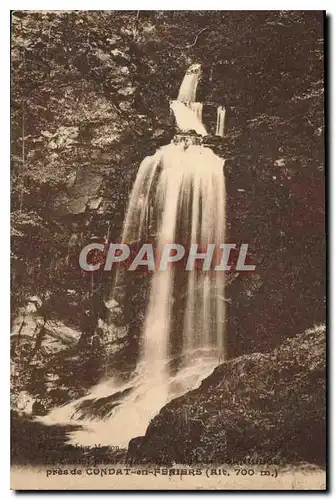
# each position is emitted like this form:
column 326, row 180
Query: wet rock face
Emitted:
column 81, row 195
column 53, row 362
column 267, row 406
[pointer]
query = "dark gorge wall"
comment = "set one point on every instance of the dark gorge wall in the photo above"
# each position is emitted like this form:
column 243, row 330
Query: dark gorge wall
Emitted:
column 90, row 99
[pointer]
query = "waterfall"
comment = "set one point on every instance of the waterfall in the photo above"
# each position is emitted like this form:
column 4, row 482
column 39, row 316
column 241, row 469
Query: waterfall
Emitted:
column 188, row 116
column 197, row 108
column 189, row 203
column 189, row 83
column 187, row 112
column 220, row 121
column 178, row 197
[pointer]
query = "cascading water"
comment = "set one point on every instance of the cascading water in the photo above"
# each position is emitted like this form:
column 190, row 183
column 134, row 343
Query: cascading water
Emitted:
column 189, row 203
column 178, row 197
column 220, row 121
column 189, row 116
column 189, row 84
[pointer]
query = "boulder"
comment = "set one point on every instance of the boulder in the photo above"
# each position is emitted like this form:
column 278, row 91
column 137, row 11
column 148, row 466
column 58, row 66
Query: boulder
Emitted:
column 58, row 337
column 266, row 406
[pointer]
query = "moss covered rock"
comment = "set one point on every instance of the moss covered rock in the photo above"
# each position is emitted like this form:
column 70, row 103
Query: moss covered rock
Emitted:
column 258, row 406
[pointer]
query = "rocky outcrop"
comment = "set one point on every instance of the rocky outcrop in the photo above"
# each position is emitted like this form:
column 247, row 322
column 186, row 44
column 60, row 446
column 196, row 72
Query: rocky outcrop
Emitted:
column 52, row 361
column 51, row 335
column 266, row 406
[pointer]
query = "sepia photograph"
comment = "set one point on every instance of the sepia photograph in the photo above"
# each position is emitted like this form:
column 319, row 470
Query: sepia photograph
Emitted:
column 168, row 250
